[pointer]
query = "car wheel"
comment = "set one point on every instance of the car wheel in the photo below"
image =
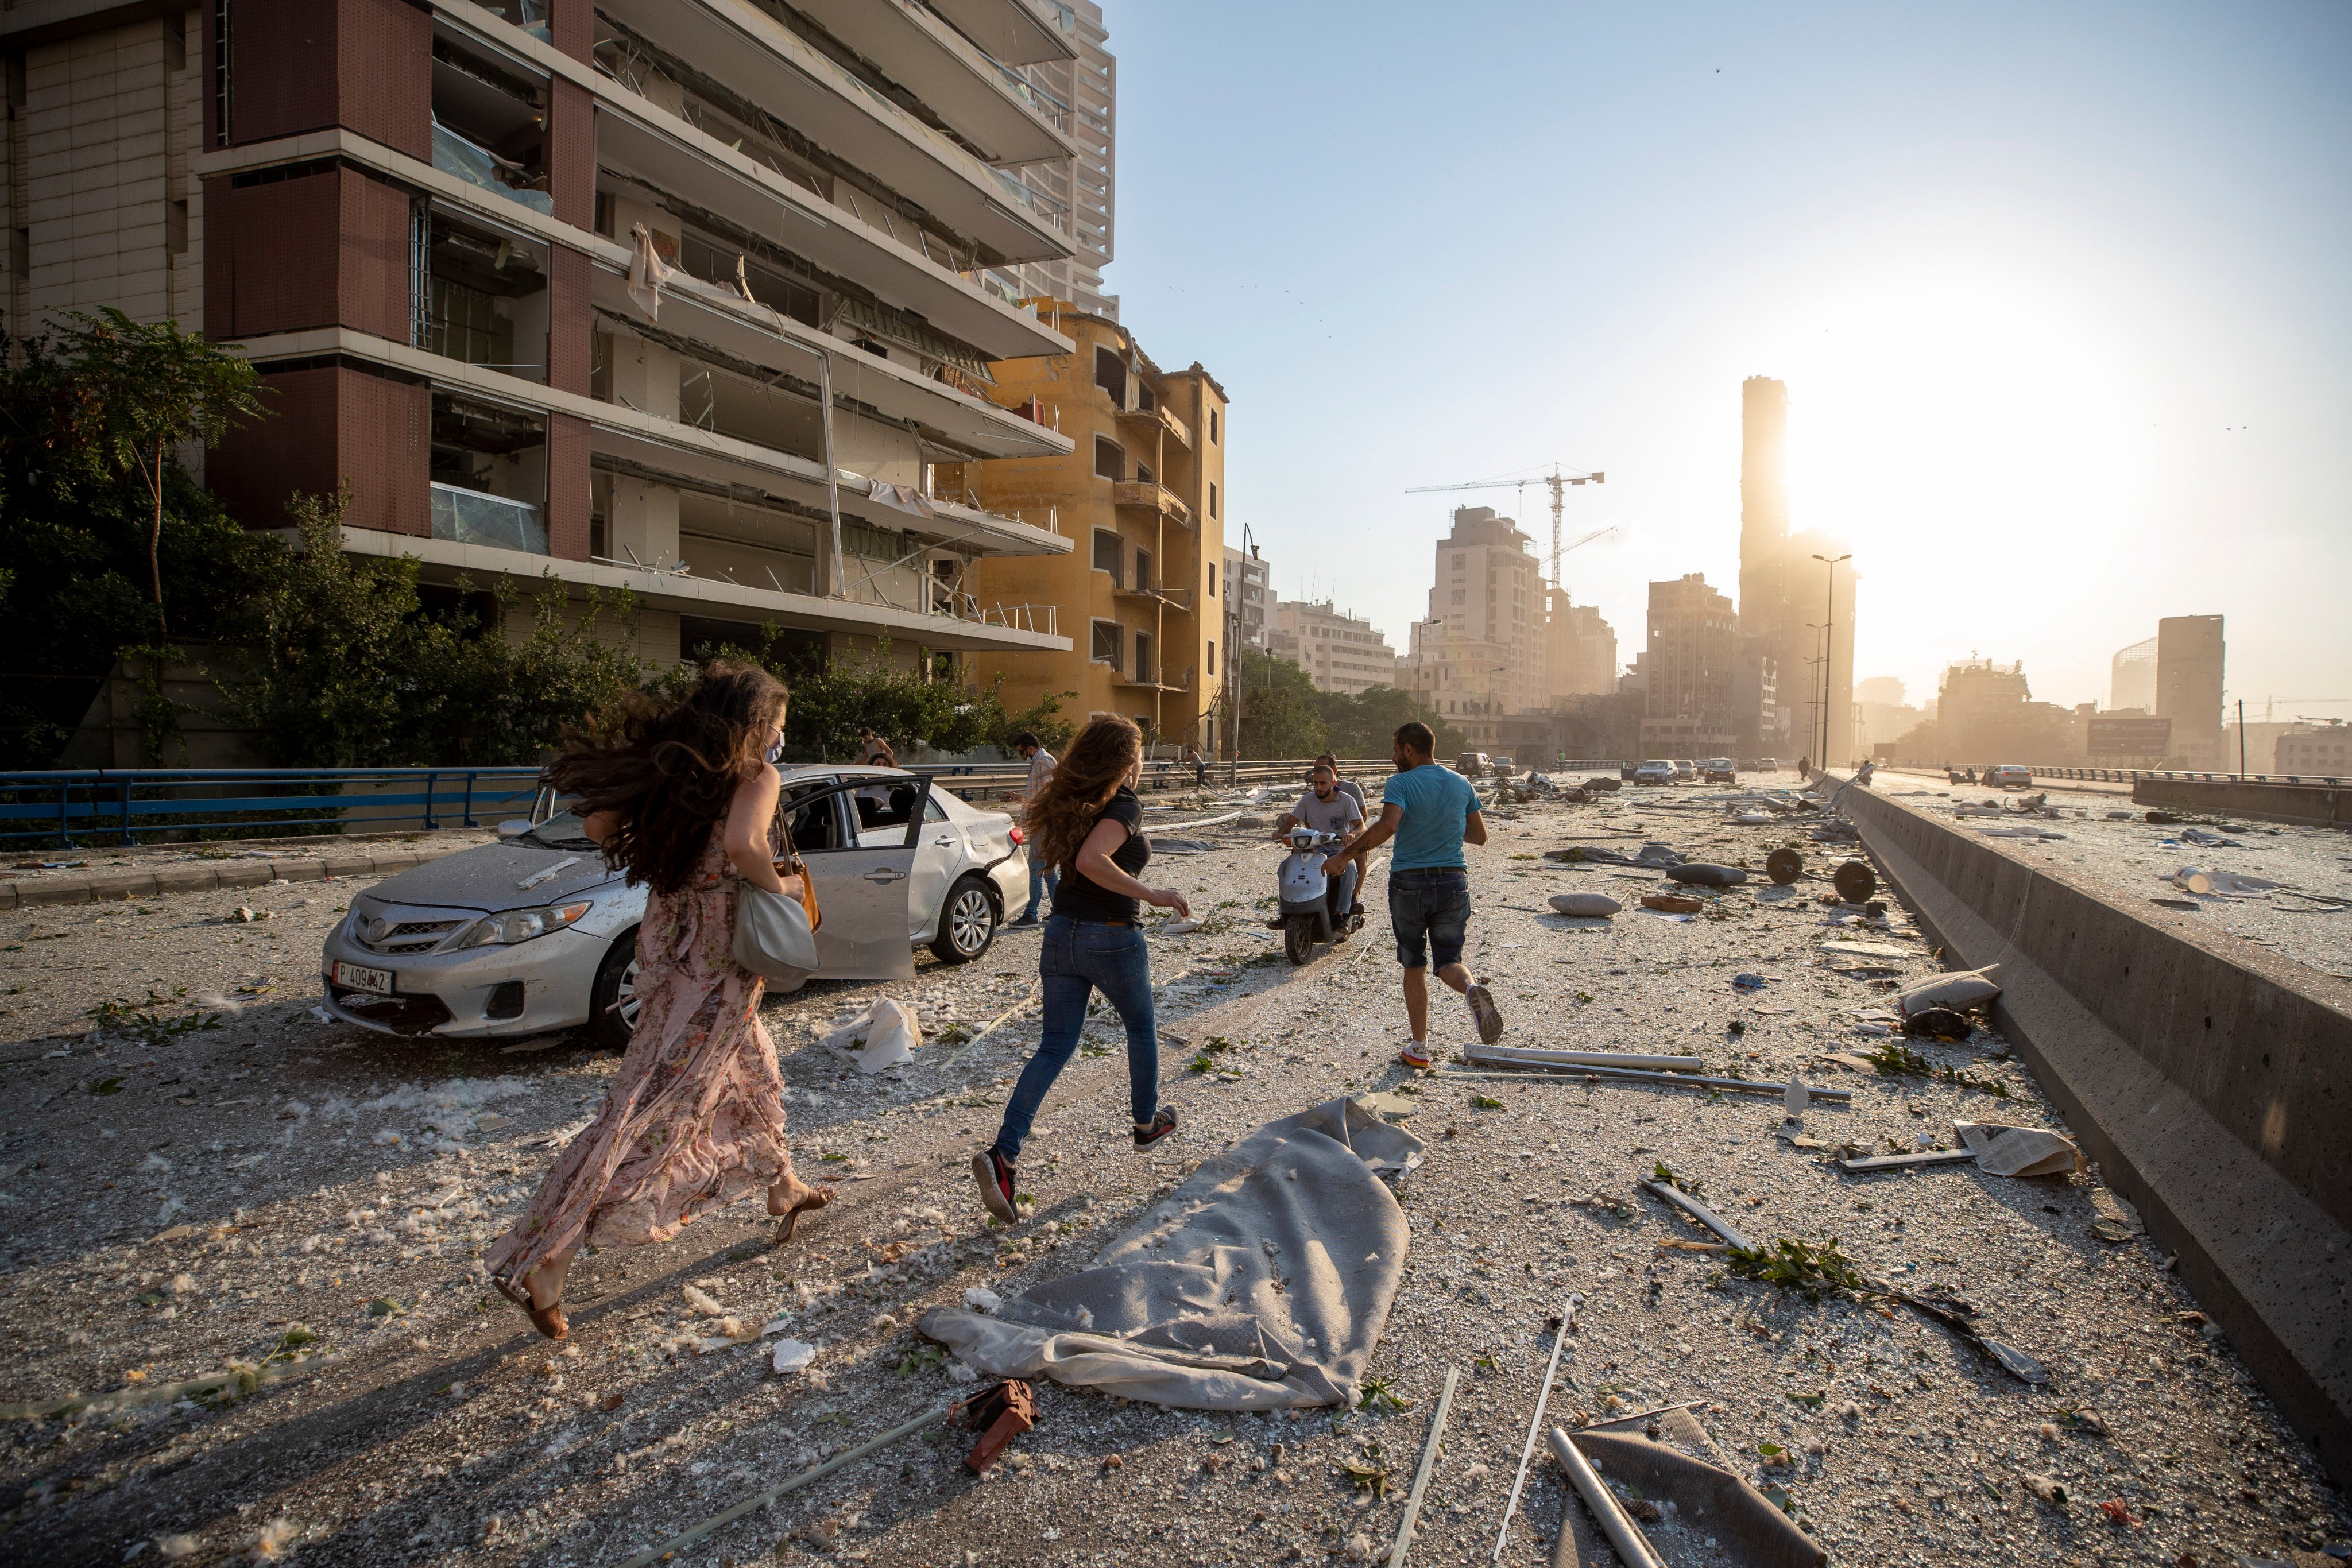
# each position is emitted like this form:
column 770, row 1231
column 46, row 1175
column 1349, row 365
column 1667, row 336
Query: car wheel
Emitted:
column 967, row 922
column 613, row 999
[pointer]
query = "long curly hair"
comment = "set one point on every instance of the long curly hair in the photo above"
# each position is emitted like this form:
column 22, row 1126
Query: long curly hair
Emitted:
column 1084, row 781
column 670, row 769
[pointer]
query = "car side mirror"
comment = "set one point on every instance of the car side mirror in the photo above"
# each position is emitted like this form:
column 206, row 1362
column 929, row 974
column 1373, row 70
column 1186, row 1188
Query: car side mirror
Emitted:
column 514, row 827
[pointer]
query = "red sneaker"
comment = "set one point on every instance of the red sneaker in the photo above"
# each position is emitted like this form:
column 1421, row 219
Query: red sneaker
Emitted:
column 995, row 1178
column 1416, row 1056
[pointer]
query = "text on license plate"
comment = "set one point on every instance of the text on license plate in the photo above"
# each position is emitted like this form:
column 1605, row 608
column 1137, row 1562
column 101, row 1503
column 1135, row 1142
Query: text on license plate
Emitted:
column 360, row 977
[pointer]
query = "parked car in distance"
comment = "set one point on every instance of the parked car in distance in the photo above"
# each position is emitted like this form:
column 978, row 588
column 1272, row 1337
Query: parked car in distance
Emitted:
column 1501, row 768
column 533, row 934
column 1718, row 770
column 1685, row 770
column 2009, row 776
column 1764, row 765
column 1657, row 770
column 1471, row 765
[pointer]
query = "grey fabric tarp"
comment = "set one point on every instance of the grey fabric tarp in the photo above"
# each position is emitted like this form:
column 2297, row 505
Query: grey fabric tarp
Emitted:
column 1261, row 1284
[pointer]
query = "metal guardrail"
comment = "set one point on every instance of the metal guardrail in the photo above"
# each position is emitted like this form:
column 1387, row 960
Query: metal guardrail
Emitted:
column 124, row 803
column 71, row 807
column 2138, row 775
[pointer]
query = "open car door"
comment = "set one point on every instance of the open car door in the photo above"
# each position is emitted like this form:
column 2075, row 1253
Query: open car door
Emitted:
column 862, row 882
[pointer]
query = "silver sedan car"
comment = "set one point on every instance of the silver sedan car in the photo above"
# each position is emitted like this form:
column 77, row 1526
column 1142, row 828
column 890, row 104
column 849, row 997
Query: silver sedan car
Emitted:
column 534, row 934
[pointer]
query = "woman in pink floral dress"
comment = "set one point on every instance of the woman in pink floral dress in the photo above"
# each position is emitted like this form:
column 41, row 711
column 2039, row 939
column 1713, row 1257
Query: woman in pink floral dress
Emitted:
column 684, row 795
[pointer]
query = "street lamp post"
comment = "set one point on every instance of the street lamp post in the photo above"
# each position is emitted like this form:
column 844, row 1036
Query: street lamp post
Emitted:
column 1828, row 650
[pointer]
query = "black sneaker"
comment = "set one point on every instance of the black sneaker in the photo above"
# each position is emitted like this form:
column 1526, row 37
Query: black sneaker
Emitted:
column 1163, row 1122
column 994, row 1174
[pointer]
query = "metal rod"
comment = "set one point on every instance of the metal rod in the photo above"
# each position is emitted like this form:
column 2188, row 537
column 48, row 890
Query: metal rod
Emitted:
column 1701, row 1213
column 679, row 1542
column 1683, row 1079
column 1535, row 1422
column 834, row 574
column 1421, row 1476
column 1904, row 1161
column 1623, row 1533
column 1537, row 1055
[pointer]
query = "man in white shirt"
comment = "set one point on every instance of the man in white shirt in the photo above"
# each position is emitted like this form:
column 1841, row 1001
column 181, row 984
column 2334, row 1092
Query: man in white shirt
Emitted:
column 1042, row 880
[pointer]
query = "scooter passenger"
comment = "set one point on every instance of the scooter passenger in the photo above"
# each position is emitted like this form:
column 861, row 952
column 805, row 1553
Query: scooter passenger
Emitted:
column 1328, row 809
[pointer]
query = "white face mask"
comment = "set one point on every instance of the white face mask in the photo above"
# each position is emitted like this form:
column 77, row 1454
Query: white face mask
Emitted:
column 776, row 752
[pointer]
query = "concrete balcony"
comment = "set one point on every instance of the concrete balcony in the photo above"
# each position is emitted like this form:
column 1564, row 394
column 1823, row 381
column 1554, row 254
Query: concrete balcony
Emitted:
column 1153, row 683
column 1005, row 119
column 1146, row 495
column 1149, row 419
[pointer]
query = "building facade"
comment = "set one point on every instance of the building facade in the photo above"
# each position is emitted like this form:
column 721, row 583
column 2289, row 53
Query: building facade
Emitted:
column 1690, row 675
column 1142, row 498
column 1339, row 653
column 2188, row 682
column 685, row 296
column 1459, row 679
column 1253, row 599
column 2314, row 751
column 1081, row 90
column 1488, row 591
column 1579, row 647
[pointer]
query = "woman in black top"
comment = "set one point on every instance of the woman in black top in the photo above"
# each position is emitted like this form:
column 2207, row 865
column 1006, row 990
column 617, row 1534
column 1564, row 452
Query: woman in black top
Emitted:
column 1088, row 822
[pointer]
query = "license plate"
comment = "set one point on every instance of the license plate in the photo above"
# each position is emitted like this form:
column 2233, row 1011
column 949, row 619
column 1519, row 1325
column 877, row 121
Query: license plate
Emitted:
column 360, row 977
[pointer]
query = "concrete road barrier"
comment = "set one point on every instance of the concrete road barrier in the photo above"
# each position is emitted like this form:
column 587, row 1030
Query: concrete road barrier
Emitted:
column 2210, row 1079
column 2307, row 805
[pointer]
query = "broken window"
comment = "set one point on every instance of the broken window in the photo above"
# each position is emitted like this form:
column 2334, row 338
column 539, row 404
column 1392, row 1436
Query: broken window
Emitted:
column 488, row 474
column 1109, row 556
column 1143, row 658
column 1110, row 463
column 1106, row 643
column 1142, row 569
column 1110, row 374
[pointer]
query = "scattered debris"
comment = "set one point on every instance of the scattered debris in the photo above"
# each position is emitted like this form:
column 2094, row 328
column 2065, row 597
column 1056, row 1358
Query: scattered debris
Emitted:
column 1001, row 1413
column 2005, row 1151
column 1584, row 905
column 1959, row 989
column 1854, row 881
column 1671, row 904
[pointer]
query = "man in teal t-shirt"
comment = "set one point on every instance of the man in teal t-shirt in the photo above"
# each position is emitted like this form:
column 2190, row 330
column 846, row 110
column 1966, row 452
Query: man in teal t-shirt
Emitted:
column 1430, row 812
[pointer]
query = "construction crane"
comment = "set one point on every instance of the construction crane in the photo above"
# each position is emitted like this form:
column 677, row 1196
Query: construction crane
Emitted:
column 1557, row 482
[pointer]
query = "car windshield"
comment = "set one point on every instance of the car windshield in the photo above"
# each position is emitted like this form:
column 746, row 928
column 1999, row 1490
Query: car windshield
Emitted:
column 564, row 830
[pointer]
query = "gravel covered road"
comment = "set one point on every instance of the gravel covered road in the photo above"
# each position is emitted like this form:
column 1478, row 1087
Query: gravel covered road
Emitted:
column 247, row 1242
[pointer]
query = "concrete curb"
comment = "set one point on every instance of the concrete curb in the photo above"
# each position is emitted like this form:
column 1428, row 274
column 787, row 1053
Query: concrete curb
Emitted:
column 2211, row 1080
column 213, row 876
column 2302, row 805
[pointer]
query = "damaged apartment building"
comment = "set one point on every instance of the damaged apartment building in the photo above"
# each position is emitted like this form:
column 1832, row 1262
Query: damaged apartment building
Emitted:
column 687, row 297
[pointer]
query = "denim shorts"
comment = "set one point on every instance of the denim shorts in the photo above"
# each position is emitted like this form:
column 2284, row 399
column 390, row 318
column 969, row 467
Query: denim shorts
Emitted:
column 1428, row 907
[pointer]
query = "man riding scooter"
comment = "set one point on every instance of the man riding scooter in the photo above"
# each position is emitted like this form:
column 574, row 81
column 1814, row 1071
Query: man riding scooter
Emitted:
column 1328, row 809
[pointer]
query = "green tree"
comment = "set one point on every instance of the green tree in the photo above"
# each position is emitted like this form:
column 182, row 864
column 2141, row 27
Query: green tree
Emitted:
column 139, row 391
column 1280, row 713
column 87, row 554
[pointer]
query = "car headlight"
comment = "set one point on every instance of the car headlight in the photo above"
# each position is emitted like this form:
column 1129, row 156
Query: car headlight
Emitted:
column 521, row 925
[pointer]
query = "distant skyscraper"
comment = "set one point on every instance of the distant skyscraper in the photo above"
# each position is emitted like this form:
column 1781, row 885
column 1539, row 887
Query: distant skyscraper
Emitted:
column 2131, row 681
column 1786, row 596
column 1084, row 94
column 1581, row 646
column 2188, row 686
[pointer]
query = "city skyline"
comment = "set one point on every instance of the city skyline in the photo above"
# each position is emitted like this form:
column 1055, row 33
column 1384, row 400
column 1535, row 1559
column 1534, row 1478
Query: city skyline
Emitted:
column 2045, row 318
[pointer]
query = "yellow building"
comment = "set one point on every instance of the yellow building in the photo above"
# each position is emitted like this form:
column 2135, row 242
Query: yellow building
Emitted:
column 1142, row 496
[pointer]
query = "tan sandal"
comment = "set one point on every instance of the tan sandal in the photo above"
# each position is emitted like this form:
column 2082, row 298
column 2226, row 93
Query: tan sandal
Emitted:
column 549, row 1321
column 790, row 1220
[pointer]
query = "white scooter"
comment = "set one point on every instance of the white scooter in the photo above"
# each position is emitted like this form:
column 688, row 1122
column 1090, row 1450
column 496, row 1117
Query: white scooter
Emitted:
column 1312, row 910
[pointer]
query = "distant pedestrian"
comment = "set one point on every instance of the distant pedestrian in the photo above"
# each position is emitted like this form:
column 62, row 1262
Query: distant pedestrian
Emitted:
column 1087, row 823
column 1200, row 769
column 683, row 794
column 1430, row 812
column 1043, row 878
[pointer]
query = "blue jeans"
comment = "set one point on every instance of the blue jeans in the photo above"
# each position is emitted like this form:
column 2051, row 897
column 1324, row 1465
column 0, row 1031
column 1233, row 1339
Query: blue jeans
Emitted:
column 1347, row 880
column 1428, row 907
column 1080, row 957
column 1043, row 883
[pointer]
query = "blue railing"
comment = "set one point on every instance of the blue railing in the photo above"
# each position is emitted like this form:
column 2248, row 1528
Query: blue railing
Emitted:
column 121, row 804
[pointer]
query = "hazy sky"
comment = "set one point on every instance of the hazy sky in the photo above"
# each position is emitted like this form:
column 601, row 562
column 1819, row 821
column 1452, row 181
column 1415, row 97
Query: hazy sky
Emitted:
column 2060, row 295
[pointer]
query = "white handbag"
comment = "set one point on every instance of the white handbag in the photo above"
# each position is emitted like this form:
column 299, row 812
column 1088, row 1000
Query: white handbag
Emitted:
column 773, row 939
